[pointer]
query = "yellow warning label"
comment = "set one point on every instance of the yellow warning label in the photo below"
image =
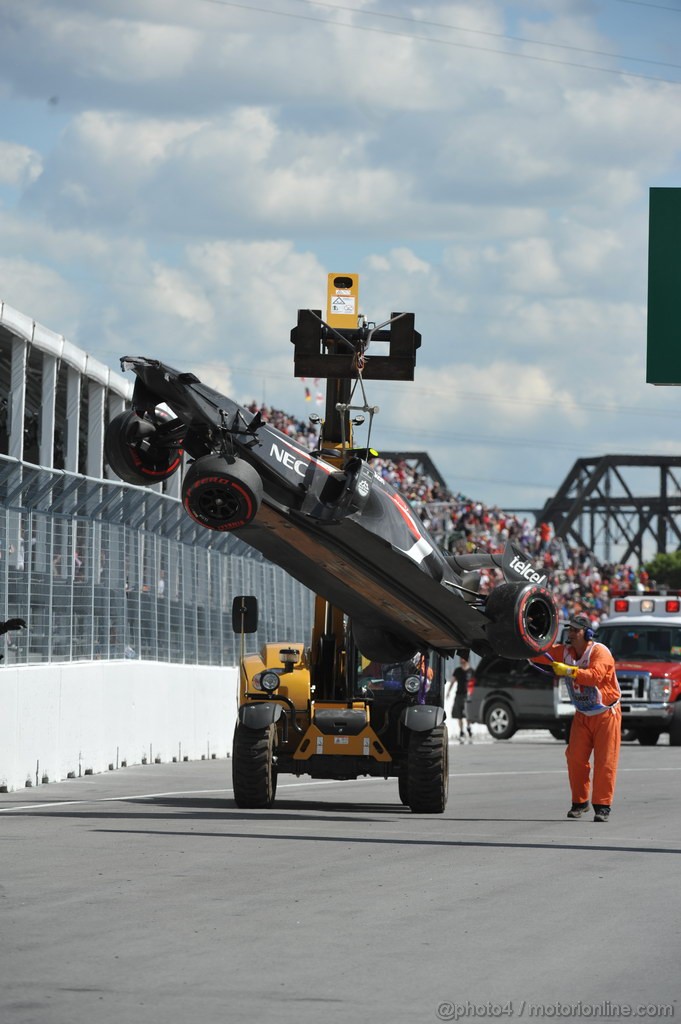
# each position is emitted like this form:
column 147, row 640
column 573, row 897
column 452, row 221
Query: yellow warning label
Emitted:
column 342, row 302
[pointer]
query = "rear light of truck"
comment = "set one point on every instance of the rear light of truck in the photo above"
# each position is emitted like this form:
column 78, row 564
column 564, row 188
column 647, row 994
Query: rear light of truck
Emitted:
column 470, row 686
column 672, row 605
column 620, row 605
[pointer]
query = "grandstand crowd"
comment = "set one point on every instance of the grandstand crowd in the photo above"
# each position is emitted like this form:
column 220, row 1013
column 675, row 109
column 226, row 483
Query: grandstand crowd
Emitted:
column 463, row 525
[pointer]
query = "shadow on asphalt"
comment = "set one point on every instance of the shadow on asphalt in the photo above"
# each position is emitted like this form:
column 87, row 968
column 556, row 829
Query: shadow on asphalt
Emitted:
column 485, row 844
column 223, row 811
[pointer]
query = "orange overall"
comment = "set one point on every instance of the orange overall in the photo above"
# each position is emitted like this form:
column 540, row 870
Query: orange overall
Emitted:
column 599, row 734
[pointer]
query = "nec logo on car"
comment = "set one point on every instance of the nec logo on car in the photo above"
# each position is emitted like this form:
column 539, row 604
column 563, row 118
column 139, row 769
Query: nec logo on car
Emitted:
column 525, row 570
column 288, row 460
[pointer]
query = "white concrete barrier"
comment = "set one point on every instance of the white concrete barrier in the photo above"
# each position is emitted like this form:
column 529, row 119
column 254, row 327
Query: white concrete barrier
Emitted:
column 82, row 717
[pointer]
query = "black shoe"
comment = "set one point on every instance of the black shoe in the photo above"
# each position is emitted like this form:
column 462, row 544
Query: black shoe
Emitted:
column 601, row 812
column 577, row 810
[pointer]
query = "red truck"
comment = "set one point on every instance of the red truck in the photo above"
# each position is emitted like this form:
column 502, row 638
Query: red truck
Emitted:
column 643, row 631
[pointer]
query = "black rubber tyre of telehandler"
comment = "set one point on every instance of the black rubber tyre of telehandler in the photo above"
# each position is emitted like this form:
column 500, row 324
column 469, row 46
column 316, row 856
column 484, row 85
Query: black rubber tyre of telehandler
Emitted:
column 221, row 495
column 428, row 771
column 139, row 462
column 254, row 776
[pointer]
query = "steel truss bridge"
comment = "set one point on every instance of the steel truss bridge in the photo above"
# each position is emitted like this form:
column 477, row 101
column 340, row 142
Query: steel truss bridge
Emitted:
column 622, row 508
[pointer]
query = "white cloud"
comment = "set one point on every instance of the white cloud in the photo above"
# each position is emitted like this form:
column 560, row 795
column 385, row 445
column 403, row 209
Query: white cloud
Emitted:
column 39, row 292
column 529, row 265
column 400, row 259
column 19, row 165
column 125, row 50
column 102, row 162
column 256, row 290
column 101, row 46
column 173, row 294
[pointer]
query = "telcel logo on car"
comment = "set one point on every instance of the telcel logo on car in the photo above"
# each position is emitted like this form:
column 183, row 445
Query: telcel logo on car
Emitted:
column 526, row 570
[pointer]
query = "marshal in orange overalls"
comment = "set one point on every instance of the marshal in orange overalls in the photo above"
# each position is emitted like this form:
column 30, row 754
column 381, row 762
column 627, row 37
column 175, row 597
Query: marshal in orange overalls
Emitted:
column 596, row 733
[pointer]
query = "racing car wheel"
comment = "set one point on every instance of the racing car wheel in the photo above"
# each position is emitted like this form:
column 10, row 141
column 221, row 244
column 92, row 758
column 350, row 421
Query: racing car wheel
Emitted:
column 524, row 620
column 137, row 452
column 221, row 495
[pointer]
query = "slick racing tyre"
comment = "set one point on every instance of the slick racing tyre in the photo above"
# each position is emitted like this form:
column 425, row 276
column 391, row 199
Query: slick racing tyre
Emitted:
column 523, row 620
column 137, row 452
column 221, row 495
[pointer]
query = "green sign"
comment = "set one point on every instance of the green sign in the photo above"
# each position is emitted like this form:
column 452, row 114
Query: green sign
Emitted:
column 664, row 287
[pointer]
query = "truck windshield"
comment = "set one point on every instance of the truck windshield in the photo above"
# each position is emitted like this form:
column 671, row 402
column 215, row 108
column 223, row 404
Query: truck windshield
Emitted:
column 642, row 643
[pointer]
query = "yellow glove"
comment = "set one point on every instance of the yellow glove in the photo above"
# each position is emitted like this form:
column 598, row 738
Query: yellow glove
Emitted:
column 560, row 669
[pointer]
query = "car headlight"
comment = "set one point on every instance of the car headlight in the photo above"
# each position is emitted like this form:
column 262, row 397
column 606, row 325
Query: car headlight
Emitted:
column 412, row 684
column 660, row 689
column 269, row 681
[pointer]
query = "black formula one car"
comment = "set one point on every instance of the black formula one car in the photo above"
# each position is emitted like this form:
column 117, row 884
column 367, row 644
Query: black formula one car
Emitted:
column 329, row 520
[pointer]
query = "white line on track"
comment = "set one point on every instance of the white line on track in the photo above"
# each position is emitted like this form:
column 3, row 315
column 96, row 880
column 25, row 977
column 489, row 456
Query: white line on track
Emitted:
column 284, row 785
column 177, row 792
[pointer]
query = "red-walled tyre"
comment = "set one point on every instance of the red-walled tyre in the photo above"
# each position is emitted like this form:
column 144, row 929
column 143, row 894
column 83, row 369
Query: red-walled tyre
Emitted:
column 221, row 495
column 137, row 452
column 524, row 620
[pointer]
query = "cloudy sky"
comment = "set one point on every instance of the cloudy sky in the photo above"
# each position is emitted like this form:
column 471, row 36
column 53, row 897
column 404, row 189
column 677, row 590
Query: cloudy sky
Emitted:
column 177, row 178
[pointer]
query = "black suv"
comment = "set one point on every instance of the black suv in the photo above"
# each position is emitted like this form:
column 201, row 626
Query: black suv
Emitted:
column 511, row 695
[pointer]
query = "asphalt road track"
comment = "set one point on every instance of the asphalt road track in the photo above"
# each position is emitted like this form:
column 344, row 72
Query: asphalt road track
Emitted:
column 145, row 895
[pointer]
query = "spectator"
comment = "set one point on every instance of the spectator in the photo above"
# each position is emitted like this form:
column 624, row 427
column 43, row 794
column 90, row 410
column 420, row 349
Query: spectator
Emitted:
column 460, row 677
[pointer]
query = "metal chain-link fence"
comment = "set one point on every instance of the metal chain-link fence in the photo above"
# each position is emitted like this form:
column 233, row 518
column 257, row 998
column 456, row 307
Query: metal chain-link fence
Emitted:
column 99, row 569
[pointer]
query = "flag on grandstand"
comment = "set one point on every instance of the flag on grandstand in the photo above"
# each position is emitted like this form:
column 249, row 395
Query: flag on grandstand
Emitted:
column 308, row 394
